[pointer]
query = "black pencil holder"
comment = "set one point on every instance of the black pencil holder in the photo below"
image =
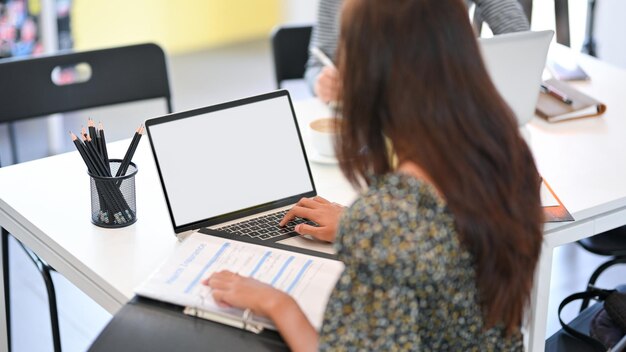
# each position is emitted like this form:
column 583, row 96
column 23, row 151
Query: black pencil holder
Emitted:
column 113, row 199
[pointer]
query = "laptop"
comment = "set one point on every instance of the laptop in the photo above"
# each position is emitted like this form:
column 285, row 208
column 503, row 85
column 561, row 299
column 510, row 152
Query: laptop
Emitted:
column 515, row 62
column 234, row 169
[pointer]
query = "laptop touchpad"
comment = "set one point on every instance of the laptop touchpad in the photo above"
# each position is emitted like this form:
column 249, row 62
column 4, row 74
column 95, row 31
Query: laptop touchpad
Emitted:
column 311, row 244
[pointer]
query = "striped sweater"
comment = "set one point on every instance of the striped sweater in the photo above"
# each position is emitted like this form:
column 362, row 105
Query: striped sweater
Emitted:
column 502, row 16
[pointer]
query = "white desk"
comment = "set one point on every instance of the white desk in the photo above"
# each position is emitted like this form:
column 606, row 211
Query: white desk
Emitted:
column 45, row 203
column 584, row 161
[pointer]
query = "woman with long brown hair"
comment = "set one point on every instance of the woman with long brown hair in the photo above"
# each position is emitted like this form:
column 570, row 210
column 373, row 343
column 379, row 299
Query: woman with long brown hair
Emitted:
column 441, row 246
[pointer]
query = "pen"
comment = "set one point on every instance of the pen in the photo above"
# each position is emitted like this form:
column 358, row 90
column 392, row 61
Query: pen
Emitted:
column 319, row 54
column 556, row 93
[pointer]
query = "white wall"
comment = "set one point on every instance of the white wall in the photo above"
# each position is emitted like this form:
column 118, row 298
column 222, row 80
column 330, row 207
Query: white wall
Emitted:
column 609, row 31
column 299, row 11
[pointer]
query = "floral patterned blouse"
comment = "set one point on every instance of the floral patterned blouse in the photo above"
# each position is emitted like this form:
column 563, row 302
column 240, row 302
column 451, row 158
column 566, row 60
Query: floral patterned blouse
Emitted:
column 408, row 282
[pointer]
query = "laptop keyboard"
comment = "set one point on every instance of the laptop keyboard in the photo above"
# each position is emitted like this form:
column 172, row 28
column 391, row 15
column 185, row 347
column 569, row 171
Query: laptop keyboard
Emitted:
column 265, row 227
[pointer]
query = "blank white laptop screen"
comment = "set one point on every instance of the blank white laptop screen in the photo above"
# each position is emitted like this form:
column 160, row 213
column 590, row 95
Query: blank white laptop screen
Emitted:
column 231, row 159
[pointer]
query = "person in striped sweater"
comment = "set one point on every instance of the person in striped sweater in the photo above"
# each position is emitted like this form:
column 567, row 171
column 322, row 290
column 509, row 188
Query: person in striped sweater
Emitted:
column 502, row 16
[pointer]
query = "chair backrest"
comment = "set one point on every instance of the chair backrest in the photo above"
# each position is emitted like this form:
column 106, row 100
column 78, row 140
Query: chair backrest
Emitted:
column 118, row 75
column 290, row 48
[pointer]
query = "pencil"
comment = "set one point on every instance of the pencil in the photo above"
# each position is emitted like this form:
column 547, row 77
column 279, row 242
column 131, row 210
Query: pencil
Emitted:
column 93, row 134
column 107, row 204
column 116, row 196
column 111, row 198
column 130, row 152
column 97, row 160
column 81, row 151
column 103, row 146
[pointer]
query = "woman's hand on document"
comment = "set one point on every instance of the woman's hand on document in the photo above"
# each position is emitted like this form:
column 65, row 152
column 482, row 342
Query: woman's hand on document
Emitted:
column 233, row 290
column 320, row 211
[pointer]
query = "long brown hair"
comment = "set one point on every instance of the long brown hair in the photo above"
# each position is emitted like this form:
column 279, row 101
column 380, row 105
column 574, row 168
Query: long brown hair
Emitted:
column 411, row 73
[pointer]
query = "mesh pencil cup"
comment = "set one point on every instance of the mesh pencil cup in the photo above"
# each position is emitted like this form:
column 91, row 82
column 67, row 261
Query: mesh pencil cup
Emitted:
column 113, row 199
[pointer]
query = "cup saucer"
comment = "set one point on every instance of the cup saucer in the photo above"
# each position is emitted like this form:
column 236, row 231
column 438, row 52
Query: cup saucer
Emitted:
column 318, row 158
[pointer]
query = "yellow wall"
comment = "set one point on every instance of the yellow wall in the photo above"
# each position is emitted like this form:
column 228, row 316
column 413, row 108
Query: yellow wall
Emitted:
column 178, row 26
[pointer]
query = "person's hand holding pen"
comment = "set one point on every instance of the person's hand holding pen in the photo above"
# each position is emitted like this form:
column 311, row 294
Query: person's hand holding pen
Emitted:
column 320, row 211
column 327, row 82
column 327, row 85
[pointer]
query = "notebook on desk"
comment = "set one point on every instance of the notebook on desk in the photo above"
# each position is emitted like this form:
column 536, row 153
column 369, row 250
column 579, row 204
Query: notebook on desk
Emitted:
column 232, row 170
column 578, row 104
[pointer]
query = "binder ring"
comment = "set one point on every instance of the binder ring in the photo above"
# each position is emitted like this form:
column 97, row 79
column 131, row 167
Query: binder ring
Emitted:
column 249, row 324
column 246, row 318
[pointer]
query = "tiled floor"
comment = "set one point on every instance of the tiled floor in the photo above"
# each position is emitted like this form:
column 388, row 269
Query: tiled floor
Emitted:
column 197, row 79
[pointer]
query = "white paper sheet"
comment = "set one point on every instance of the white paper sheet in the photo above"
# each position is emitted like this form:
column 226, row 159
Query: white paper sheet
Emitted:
column 547, row 199
column 308, row 279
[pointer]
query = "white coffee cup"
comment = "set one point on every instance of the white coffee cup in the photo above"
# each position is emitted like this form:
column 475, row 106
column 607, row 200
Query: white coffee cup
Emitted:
column 323, row 132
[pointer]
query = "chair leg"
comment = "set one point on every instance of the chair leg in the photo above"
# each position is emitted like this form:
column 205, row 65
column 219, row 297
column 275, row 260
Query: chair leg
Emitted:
column 596, row 274
column 7, row 289
column 13, row 140
column 589, row 45
column 561, row 11
column 52, row 303
column 44, row 270
column 169, row 105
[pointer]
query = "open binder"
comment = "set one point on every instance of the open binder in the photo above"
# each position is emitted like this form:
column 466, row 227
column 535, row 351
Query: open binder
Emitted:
column 245, row 322
column 145, row 325
column 308, row 279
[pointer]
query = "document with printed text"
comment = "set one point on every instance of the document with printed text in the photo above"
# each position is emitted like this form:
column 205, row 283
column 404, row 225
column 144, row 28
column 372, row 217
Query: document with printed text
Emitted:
column 308, row 279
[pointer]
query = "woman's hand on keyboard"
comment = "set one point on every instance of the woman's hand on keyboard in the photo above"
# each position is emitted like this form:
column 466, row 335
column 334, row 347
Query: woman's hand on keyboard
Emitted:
column 320, row 211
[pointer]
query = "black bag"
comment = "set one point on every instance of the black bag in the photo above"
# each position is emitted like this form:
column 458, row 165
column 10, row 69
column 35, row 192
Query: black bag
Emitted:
column 608, row 326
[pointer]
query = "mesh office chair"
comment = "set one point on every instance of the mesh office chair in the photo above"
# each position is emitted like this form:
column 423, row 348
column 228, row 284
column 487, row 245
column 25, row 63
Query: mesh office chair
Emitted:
column 290, row 49
column 28, row 90
column 561, row 16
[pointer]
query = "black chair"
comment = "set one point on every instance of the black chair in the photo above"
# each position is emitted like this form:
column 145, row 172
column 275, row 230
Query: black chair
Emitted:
column 290, row 48
column 27, row 90
column 611, row 243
